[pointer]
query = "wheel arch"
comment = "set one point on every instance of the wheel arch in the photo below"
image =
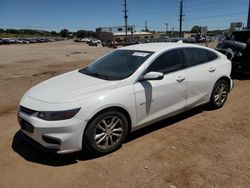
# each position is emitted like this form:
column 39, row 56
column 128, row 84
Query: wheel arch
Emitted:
column 116, row 108
column 211, row 103
column 227, row 80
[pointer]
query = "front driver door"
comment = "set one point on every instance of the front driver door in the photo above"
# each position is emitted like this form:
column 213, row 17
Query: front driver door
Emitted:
column 158, row 98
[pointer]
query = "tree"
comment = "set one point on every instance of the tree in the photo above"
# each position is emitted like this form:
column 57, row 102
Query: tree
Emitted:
column 196, row 29
column 84, row 33
column 53, row 33
column 81, row 34
column 14, row 31
column 64, row 33
column 1, row 30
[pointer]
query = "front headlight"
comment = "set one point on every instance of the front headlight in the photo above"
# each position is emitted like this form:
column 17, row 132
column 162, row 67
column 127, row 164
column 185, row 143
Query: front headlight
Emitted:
column 58, row 115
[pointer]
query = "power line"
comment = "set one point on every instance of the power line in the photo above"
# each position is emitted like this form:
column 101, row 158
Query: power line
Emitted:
column 155, row 27
column 197, row 4
column 217, row 7
column 218, row 15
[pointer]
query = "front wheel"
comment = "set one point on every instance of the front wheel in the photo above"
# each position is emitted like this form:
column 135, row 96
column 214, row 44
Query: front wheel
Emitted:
column 219, row 94
column 106, row 132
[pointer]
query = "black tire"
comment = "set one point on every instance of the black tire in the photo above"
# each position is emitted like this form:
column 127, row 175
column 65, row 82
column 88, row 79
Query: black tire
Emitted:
column 94, row 138
column 219, row 94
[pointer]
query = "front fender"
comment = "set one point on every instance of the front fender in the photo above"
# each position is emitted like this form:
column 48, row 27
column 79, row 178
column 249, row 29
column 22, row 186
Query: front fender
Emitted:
column 122, row 97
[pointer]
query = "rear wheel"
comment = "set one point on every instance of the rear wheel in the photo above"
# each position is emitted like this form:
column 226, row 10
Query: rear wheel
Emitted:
column 219, row 94
column 106, row 132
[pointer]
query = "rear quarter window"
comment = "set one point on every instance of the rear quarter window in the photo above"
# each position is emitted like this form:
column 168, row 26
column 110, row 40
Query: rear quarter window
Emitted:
column 211, row 55
column 197, row 56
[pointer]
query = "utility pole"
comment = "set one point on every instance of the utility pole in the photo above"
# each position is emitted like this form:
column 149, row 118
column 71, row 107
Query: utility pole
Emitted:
column 146, row 26
column 125, row 18
column 181, row 17
column 131, row 29
column 166, row 28
column 248, row 20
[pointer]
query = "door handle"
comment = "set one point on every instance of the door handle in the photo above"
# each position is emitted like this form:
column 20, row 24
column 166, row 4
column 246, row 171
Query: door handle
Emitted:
column 180, row 79
column 212, row 69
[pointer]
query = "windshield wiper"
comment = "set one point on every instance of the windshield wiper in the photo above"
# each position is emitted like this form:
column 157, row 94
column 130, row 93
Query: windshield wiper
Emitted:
column 94, row 74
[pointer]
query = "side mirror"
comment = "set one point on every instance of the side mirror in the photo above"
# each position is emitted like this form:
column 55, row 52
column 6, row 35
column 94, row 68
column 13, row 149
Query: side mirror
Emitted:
column 152, row 76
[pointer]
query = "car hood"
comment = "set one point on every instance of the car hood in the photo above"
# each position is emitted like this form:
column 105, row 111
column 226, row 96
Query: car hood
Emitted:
column 69, row 87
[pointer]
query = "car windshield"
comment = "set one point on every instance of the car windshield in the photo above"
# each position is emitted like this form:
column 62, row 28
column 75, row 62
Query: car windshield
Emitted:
column 117, row 65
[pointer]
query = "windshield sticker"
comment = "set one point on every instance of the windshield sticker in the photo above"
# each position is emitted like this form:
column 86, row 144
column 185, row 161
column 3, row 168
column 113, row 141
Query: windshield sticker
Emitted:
column 140, row 54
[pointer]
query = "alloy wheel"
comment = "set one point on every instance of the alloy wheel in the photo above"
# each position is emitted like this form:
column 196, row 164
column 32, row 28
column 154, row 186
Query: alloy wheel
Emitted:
column 220, row 94
column 108, row 132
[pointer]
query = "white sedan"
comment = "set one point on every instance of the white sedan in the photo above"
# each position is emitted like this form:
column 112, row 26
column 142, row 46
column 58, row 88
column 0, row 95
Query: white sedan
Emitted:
column 129, row 88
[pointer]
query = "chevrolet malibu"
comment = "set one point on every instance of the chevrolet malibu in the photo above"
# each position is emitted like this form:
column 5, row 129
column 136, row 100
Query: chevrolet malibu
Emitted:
column 129, row 88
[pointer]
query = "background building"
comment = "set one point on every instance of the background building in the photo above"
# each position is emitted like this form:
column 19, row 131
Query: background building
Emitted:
column 118, row 29
column 119, row 34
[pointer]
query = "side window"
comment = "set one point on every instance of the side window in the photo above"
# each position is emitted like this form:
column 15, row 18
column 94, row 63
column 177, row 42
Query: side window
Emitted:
column 211, row 55
column 167, row 62
column 194, row 56
column 197, row 56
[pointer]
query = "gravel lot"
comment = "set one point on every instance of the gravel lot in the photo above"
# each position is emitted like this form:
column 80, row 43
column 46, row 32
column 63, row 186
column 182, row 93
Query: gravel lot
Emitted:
column 199, row 148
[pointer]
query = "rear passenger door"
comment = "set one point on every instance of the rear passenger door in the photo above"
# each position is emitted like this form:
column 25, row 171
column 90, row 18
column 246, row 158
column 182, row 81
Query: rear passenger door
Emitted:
column 201, row 74
column 157, row 98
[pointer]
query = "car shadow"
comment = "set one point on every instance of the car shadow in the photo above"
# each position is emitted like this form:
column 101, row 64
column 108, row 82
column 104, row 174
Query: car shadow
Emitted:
column 23, row 148
column 29, row 153
column 165, row 123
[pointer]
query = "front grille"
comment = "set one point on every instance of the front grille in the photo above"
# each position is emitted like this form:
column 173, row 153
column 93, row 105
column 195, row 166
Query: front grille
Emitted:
column 27, row 110
column 26, row 126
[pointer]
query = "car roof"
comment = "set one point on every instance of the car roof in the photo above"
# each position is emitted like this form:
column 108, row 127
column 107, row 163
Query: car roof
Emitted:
column 159, row 47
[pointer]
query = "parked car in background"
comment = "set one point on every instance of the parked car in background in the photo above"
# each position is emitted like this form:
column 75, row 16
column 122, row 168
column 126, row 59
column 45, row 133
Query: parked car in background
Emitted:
column 1, row 41
column 78, row 40
column 52, row 40
column 86, row 40
column 27, row 40
column 200, row 38
column 6, row 41
column 23, row 41
column 129, row 88
column 189, row 40
column 97, row 41
column 92, row 43
column 30, row 40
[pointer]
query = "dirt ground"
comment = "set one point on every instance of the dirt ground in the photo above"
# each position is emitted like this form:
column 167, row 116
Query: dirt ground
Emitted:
column 199, row 148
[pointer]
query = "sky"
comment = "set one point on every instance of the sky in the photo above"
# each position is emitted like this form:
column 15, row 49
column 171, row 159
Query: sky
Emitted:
column 88, row 15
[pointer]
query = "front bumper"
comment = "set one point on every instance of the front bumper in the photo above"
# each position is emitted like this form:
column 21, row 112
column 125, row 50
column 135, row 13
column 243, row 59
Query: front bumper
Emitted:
column 38, row 146
column 52, row 136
